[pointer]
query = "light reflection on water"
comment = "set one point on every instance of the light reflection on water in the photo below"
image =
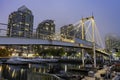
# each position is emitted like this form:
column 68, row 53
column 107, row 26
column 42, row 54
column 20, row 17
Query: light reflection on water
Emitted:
column 12, row 72
column 19, row 72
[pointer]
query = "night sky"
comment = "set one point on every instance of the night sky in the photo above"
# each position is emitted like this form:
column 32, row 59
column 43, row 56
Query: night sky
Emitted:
column 106, row 12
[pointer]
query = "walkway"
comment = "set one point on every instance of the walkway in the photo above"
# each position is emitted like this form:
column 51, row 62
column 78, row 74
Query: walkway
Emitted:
column 97, row 74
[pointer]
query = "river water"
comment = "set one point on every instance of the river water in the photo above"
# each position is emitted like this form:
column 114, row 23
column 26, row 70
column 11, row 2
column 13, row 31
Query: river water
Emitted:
column 19, row 72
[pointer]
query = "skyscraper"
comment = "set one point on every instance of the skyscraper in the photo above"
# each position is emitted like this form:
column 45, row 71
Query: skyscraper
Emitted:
column 68, row 32
column 46, row 29
column 20, row 23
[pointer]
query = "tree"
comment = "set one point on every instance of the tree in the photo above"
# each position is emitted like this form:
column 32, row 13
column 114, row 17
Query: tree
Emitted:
column 61, row 52
column 69, row 53
column 37, row 49
column 118, row 54
column 5, row 52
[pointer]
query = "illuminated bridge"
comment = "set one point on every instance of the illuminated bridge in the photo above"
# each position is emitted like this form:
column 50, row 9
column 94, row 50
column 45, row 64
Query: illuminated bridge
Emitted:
column 90, row 39
column 30, row 41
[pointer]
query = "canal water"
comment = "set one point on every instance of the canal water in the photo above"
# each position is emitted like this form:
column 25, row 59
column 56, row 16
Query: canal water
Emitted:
column 19, row 72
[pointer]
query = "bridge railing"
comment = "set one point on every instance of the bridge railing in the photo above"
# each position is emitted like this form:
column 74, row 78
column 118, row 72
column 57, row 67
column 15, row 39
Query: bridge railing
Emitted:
column 58, row 37
column 3, row 32
column 34, row 35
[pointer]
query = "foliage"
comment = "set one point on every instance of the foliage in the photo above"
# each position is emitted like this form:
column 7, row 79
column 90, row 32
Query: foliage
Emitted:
column 69, row 53
column 5, row 52
column 53, row 52
column 35, row 54
column 37, row 49
column 50, row 51
column 61, row 52
column 118, row 54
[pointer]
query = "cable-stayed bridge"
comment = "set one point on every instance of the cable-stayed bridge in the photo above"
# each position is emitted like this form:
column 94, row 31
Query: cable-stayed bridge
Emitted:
column 90, row 38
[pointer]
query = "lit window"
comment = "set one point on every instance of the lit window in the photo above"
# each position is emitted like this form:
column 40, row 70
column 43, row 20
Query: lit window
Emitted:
column 47, row 24
column 14, row 24
column 20, row 33
column 26, row 24
column 26, row 29
column 20, row 22
column 46, row 28
column 21, row 13
column 52, row 28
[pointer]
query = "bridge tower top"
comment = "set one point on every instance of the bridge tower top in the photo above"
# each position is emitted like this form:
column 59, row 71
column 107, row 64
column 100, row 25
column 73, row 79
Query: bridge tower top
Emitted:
column 89, row 31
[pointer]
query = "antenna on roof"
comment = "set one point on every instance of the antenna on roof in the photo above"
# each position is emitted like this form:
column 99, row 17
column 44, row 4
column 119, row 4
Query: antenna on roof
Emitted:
column 92, row 15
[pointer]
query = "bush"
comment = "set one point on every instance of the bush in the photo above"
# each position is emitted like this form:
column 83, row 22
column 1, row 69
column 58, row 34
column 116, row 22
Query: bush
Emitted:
column 5, row 52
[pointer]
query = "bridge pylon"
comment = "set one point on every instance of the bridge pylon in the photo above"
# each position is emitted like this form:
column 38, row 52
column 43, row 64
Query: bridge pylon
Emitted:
column 89, row 33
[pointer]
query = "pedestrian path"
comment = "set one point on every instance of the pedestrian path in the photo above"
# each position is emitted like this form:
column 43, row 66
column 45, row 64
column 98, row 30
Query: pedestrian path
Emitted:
column 97, row 75
column 102, row 71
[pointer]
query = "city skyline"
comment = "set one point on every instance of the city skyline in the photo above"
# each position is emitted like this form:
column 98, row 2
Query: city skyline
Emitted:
column 65, row 12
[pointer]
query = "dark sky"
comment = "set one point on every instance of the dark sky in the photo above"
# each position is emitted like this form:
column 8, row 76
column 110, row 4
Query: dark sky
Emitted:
column 106, row 12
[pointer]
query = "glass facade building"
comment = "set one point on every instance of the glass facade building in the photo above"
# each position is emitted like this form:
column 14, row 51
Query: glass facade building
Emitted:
column 68, row 32
column 46, row 29
column 20, row 23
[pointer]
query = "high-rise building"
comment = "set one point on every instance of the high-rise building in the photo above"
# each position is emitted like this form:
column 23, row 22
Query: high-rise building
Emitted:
column 20, row 23
column 112, row 42
column 68, row 32
column 46, row 29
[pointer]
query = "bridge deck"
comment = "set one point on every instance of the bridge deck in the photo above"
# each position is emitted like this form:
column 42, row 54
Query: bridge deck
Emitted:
column 32, row 41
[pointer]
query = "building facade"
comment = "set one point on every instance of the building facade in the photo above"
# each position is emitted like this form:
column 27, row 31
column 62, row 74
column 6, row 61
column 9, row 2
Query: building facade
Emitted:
column 46, row 29
column 20, row 23
column 112, row 42
column 68, row 32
